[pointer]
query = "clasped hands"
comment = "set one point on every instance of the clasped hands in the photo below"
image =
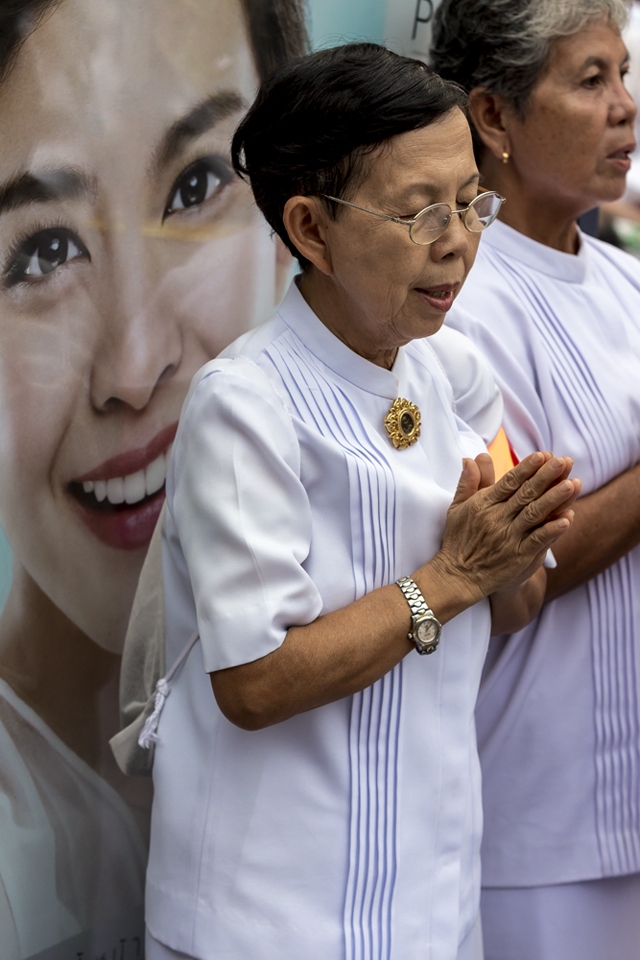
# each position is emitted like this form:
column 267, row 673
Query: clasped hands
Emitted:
column 497, row 534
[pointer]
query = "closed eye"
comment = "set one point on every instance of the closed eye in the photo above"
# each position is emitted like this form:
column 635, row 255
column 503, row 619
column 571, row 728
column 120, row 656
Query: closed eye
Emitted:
column 592, row 81
column 198, row 183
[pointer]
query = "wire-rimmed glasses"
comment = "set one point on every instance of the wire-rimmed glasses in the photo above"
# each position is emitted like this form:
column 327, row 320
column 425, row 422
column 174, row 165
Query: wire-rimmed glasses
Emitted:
column 429, row 224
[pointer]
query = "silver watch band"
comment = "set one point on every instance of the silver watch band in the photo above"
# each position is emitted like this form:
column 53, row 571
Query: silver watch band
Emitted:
column 414, row 598
column 421, row 614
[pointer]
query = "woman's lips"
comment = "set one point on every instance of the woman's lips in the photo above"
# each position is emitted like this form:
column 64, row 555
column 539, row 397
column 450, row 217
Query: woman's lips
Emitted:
column 621, row 159
column 120, row 500
column 439, row 297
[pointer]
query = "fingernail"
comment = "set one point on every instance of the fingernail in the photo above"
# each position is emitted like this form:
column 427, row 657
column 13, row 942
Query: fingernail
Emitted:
column 564, row 523
column 536, row 458
column 566, row 486
column 558, row 462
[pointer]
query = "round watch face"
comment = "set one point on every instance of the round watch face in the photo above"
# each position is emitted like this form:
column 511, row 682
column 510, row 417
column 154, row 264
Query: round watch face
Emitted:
column 426, row 631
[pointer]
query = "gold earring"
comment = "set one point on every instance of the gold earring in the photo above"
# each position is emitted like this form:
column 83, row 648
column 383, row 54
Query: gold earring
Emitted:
column 505, row 156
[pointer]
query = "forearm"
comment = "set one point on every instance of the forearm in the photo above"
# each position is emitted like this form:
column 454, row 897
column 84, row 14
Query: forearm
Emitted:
column 513, row 608
column 606, row 527
column 495, row 535
column 337, row 655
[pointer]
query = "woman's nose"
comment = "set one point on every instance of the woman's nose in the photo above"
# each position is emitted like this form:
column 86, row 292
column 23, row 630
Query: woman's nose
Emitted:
column 623, row 109
column 141, row 345
column 454, row 241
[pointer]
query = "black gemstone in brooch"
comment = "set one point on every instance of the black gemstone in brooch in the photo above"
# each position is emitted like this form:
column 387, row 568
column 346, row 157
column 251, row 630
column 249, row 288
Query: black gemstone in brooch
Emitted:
column 402, row 423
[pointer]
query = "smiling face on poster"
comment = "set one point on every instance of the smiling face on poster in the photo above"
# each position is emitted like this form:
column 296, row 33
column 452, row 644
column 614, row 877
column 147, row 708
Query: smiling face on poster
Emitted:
column 130, row 254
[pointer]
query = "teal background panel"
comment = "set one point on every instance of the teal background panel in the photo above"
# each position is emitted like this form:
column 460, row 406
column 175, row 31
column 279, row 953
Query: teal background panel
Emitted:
column 338, row 21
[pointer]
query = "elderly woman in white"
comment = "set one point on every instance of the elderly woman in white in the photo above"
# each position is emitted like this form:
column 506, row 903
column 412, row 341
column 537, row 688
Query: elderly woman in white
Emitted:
column 324, row 802
column 557, row 314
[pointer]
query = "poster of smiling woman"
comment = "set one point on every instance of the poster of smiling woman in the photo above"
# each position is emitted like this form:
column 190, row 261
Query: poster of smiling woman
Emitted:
column 130, row 255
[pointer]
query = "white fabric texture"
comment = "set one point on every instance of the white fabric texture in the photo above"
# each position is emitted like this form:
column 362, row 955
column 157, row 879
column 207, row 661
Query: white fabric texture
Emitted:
column 350, row 831
column 471, row 949
column 68, row 844
column 154, row 950
column 558, row 714
column 592, row 920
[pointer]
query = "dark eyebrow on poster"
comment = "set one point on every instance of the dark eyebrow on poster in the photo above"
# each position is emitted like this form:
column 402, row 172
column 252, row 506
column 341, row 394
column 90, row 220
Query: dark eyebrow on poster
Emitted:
column 200, row 120
column 63, row 183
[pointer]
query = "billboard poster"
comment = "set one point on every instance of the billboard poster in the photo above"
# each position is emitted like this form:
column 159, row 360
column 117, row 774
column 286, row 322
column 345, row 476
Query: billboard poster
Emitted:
column 407, row 27
column 130, row 255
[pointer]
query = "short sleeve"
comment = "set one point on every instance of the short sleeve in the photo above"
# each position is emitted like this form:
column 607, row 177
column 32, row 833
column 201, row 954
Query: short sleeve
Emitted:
column 242, row 515
column 477, row 398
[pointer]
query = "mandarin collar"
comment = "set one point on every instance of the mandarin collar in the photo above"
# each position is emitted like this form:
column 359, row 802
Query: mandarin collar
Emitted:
column 296, row 313
column 572, row 268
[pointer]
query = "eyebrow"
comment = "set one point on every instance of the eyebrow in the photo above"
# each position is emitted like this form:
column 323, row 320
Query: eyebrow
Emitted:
column 431, row 188
column 602, row 64
column 48, row 186
column 197, row 121
column 71, row 183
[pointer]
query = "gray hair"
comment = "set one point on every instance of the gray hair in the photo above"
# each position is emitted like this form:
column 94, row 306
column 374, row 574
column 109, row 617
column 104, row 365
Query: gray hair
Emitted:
column 505, row 45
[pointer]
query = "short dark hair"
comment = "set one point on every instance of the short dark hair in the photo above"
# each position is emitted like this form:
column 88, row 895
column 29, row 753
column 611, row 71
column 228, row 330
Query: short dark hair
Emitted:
column 276, row 29
column 317, row 119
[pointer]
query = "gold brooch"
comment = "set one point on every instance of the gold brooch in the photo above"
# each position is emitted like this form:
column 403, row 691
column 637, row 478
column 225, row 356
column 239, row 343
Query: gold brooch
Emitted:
column 402, row 423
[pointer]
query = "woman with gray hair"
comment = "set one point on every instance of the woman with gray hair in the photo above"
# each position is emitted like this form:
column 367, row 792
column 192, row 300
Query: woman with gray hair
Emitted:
column 558, row 315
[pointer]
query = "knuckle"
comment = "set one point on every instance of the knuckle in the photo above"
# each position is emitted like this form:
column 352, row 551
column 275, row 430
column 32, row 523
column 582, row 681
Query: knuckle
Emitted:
column 537, row 538
column 527, row 493
column 531, row 512
column 510, row 483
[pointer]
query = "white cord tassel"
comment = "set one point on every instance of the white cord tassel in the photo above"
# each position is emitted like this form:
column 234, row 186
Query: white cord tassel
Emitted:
column 149, row 733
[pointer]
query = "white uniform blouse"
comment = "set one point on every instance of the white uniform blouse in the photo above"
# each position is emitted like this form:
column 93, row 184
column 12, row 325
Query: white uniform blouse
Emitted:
column 351, row 830
column 559, row 711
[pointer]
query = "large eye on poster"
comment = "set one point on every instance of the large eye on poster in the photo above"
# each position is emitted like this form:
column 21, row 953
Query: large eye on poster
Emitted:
column 130, row 254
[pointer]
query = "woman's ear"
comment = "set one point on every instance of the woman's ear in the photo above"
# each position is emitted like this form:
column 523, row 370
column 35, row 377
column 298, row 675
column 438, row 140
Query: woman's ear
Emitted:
column 305, row 220
column 491, row 115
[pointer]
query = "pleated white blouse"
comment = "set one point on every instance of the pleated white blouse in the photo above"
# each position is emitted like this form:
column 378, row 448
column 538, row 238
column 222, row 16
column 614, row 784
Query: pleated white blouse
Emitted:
column 351, row 831
column 559, row 712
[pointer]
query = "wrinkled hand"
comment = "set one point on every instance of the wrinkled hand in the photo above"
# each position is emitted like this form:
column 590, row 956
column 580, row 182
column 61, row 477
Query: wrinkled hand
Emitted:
column 497, row 534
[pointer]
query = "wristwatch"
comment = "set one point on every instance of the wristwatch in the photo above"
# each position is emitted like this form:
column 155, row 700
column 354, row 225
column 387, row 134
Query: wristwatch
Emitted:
column 426, row 628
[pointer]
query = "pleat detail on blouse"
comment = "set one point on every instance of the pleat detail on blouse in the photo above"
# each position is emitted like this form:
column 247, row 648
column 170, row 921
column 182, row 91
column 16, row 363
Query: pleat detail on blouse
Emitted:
column 617, row 727
column 611, row 600
column 375, row 712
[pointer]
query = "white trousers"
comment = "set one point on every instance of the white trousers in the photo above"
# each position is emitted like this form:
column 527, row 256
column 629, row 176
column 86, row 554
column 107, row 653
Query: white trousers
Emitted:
column 471, row 949
column 592, row 920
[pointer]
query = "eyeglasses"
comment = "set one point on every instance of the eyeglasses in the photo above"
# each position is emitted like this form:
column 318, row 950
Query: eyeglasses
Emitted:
column 428, row 225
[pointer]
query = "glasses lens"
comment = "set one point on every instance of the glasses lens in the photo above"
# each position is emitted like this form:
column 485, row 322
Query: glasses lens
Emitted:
column 431, row 224
column 482, row 212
